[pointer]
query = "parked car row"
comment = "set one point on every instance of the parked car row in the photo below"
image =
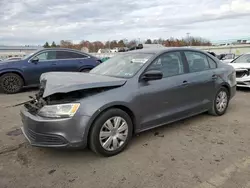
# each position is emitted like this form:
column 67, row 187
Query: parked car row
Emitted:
column 129, row 93
column 15, row 74
column 227, row 58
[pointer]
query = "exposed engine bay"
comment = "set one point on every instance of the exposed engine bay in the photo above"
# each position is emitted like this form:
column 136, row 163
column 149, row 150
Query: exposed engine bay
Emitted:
column 60, row 87
column 37, row 102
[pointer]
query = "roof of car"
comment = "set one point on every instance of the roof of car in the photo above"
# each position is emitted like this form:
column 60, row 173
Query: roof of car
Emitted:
column 161, row 50
column 68, row 49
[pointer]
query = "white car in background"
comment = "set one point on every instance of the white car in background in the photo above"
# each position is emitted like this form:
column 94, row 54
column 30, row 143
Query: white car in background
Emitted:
column 228, row 58
column 242, row 67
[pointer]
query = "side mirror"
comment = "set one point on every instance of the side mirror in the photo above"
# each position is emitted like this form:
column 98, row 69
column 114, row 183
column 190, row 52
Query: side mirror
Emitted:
column 35, row 60
column 152, row 75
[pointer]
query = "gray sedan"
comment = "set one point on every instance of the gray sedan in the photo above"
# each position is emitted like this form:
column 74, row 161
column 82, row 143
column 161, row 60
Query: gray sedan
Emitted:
column 127, row 94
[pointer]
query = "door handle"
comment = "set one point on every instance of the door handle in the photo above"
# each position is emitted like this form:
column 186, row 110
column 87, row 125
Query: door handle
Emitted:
column 214, row 77
column 185, row 82
column 53, row 63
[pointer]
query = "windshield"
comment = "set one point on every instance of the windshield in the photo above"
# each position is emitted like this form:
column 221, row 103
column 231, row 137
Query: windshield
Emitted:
column 123, row 66
column 29, row 55
column 242, row 59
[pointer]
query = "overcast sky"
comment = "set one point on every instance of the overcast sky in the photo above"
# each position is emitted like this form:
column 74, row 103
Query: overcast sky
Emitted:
column 37, row 21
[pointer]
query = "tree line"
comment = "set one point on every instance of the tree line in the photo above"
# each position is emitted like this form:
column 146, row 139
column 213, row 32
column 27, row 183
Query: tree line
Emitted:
column 96, row 45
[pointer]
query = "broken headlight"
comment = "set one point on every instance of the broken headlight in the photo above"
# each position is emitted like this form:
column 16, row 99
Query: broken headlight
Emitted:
column 59, row 111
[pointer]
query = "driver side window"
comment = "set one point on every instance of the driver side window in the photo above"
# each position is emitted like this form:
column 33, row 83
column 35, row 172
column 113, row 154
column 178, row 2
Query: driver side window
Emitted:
column 49, row 55
column 170, row 64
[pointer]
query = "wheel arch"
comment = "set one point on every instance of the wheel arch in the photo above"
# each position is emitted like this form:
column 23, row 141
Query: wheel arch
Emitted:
column 226, row 85
column 14, row 72
column 97, row 114
column 86, row 67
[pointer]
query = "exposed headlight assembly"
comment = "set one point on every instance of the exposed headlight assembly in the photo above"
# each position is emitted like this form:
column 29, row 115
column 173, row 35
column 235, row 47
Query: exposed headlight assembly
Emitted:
column 59, row 111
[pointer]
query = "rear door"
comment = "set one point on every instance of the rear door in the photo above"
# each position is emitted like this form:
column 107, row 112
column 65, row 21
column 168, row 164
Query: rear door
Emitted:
column 70, row 61
column 201, row 79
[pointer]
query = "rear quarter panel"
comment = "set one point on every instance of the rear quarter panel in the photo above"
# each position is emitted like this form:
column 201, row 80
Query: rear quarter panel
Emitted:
column 226, row 76
column 88, row 63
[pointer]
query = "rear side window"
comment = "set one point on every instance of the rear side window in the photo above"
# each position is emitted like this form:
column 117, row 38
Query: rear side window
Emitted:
column 197, row 61
column 212, row 63
column 68, row 55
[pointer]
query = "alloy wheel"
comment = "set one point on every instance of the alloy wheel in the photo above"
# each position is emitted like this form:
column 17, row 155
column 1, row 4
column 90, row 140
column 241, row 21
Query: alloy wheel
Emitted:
column 221, row 101
column 11, row 83
column 113, row 133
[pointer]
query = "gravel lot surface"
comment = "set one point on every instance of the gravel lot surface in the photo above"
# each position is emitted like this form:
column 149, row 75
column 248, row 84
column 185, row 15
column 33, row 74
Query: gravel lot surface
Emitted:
column 202, row 151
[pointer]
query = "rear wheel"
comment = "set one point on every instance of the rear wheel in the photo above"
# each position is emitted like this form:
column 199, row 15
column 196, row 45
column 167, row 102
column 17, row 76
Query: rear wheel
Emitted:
column 111, row 132
column 11, row 83
column 85, row 70
column 220, row 102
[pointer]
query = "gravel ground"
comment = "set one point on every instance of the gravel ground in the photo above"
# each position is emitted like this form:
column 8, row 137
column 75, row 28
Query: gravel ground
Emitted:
column 203, row 151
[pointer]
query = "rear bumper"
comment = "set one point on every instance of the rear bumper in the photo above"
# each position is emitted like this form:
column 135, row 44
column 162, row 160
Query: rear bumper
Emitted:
column 56, row 133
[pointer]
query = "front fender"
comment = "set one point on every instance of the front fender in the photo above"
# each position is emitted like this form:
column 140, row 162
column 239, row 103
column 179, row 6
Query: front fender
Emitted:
column 101, row 110
column 8, row 70
column 107, row 106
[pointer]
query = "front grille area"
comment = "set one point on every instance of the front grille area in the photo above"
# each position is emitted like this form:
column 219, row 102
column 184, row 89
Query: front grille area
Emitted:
column 242, row 73
column 45, row 139
column 32, row 107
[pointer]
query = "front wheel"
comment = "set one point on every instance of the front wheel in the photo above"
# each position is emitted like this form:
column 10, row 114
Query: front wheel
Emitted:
column 111, row 132
column 11, row 83
column 220, row 102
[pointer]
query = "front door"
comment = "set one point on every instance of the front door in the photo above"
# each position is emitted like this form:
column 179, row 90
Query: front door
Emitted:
column 164, row 100
column 45, row 62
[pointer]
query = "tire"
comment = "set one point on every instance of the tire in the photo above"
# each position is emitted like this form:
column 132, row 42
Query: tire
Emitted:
column 96, row 142
column 85, row 70
column 11, row 83
column 215, row 109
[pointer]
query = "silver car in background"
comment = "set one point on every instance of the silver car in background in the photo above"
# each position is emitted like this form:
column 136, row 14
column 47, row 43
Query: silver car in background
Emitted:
column 127, row 94
column 242, row 67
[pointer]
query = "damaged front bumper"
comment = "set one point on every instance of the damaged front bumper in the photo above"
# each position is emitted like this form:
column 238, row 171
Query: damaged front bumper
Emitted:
column 243, row 78
column 243, row 82
column 46, row 132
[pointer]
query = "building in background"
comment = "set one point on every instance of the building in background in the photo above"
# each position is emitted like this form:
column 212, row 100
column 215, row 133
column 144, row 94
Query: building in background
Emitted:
column 153, row 46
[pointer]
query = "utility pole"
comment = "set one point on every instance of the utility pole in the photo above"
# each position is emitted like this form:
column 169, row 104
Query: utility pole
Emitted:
column 188, row 34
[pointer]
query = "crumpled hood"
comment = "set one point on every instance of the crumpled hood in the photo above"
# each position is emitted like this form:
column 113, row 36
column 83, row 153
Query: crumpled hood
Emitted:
column 64, row 82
